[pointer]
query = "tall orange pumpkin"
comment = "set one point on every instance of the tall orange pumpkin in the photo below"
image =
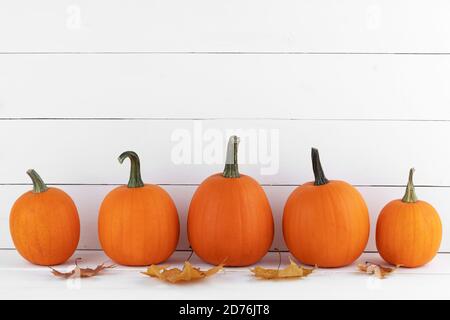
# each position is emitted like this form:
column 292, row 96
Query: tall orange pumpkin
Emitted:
column 44, row 224
column 138, row 224
column 325, row 223
column 409, row 231
column 230, row 220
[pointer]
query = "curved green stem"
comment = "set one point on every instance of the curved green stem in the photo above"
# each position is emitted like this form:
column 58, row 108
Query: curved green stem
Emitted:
column 135, row 171
column 319, row 176
column 410, row 194
column 38, row 184
column 231, row 165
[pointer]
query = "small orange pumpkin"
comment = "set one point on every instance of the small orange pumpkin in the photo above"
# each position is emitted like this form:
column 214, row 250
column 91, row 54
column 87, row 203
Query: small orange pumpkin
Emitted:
column 325, row 223
column 138, row 224
column 44, row 224
column 409, row 231
column 230, row 220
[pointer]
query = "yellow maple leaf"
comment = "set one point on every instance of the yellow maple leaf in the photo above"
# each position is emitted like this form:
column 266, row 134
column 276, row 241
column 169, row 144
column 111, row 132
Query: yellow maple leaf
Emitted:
column 174, row 275
column 78, row 272
column 291, row 271
column 376, row 269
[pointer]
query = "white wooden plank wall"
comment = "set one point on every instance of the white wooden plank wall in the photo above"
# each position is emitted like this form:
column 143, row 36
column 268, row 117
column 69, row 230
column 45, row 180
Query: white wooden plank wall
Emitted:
column 347, row 26
column 366, row 81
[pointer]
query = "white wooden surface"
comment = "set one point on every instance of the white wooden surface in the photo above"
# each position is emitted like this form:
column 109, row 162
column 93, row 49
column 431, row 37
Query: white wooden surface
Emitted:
column 23, row 281
column 89, row 198
column 232, row 26
column 344, row 86
column 361, row 152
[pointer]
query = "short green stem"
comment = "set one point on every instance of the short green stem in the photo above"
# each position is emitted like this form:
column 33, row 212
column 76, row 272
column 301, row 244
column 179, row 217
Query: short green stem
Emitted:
column 231, row 165
column 410, row 194
column 319, row 176
column 135, row 171
column 38, row 184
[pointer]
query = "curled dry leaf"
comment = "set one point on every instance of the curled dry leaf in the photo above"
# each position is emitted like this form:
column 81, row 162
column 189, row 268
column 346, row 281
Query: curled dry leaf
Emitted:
column 189, row 273
column 78, row 272
column 291, row 271
column 376, row 269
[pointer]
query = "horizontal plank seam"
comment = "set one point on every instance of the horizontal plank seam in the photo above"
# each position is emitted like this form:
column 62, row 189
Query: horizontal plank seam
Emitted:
column 187, row 250
column 197, row 184
column 217, row 119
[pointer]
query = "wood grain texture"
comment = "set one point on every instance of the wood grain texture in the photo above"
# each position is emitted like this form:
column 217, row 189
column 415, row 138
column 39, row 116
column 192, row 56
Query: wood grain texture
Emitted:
column 232, row 26
column 89, row 198
column 411, row 87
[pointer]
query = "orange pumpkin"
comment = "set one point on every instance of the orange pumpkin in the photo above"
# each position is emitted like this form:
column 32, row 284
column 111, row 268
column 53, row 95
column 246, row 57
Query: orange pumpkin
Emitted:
column 325, row 223
column 409, row 231
column 44, row 224
column 230, row 220
column 138, row 224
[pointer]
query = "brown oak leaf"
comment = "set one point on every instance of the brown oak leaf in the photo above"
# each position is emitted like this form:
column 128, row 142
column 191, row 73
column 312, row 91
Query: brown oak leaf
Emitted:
column 376, row 269
column 78, row 272
column 291, row 271
column 174, row 275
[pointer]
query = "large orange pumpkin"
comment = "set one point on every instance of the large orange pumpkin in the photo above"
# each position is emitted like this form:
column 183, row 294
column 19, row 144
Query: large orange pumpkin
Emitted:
column 409, row 231
column 325, row 223
column 138, row 224
column 230, row 220
column 44, row 224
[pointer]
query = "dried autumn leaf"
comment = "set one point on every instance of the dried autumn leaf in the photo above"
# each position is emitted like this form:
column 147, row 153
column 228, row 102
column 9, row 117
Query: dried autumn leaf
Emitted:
column 376, row 269
column 78, row 272
column 291, row 271
column 189, row 273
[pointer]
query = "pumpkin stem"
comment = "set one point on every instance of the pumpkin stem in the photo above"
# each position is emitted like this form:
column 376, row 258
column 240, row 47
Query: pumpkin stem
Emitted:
column 38, row 184
column 319, row 176
column 135, row 171
column 231, row 165
column 410, row 194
